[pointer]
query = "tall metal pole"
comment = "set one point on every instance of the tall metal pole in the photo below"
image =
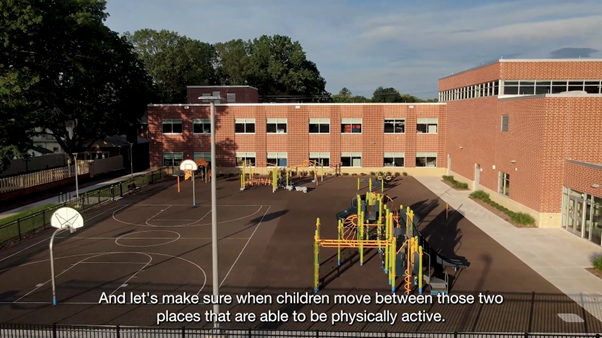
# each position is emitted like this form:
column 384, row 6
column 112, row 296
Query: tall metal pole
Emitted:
column 76, row 174
column 132, row 160
column 214, row 217
column 52, row 266
column 193, row 190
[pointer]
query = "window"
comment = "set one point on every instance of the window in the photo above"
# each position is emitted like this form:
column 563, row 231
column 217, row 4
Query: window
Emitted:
column 592, row 87
column 558, row 87
column 426, row 160
column 173, row 126
column 172, row 159
column 244, row 126
column 276, row 126
column 206, row 94
column 504, row 184
column 542, row 87
column 427, row 126
column 231, row 97
column 319, row 126
column 245, row 159
column 575, row 86
column 527, row 88
column 395, row 126
column 216, row 93
column 322, row 158
column 201, row 126
column 505, row 123
column 205, row 156
column 510, row 87
column 278, row 159
column 351, row 160
column 394, row 160
column 351, row 126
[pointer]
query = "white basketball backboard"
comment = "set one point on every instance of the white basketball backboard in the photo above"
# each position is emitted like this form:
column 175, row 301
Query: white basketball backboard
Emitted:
column 65, row 218
column 188, row 165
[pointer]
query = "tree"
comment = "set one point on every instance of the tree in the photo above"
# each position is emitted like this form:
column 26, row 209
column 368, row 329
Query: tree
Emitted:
column 279, row 66
column 391, row 95
column 346, row 96
column 174, row 62
column 61, row 64
column 232, row 60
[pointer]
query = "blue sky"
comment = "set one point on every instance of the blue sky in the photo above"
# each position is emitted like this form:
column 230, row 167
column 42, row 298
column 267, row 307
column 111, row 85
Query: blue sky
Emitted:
column 363, row 44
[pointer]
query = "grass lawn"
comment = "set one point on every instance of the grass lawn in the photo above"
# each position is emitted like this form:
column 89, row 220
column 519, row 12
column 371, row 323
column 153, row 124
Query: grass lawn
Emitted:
column 8, row 232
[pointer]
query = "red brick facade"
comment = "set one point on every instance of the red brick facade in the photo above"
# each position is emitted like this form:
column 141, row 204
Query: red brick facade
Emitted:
column 543, row 131
column 583, row 177
column 298, row 142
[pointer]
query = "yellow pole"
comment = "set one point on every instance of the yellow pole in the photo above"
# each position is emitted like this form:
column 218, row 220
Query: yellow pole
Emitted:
column 322, row 166
column 420, row 270
column 393, row 258
column 370, row 184
column 361, row 225
column 446, row 210
column 340, row 237
column 178, row 183
column 358, row 184
column 317, row 257
column 275, row 179
column 382, row 186
column 408, row 274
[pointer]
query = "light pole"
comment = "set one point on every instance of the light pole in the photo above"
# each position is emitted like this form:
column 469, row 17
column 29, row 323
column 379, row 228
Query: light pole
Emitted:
column 132, row 161
column 76, row 181
column 214, row 262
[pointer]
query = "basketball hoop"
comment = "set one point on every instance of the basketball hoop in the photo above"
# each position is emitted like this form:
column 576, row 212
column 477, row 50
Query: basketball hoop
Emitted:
column 72, row 229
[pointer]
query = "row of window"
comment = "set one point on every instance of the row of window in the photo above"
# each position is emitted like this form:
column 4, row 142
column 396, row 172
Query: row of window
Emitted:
column 316, row 126
column 470, row 92
column 522, row 87
column 230, row 97
column 347, row 159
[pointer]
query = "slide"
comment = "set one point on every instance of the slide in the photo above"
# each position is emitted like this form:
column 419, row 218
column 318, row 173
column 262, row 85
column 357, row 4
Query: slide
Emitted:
column 456, row 263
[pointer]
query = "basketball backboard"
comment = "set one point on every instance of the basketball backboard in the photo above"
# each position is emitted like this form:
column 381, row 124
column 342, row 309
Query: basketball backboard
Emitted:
column 188, row 165
column 65, row 218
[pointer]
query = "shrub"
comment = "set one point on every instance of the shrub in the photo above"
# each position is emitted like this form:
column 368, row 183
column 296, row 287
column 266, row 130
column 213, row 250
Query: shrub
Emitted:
column 345, row 174
column 457, row 185
column 480, row 195
column 597, row 261
column 520, row 218
column 449, row 179
column 364, row 174
column 353, row 174
column 397, row 174
column 372, row 173
column 405, row 173
column 388, row 173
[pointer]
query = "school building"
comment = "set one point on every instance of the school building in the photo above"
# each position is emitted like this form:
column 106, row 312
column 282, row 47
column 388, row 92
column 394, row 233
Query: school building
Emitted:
column 528, row 132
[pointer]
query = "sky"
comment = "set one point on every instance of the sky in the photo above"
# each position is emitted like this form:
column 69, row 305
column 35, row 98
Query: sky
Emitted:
column 364, row 44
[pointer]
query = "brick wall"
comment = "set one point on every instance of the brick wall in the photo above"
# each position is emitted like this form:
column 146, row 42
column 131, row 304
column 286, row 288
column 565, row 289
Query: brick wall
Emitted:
column 552, row 70
column 298, row 143
column 580, row 177
column 474, row 76
column 244, row 94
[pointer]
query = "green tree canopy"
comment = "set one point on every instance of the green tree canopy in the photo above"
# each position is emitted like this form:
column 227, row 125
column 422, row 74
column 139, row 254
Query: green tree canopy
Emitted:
column 346, row 96
column 174, row 62
column 391, row 95
column 61, row 64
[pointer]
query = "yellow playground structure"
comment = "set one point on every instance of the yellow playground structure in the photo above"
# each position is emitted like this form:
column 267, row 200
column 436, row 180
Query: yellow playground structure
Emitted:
column 280, row 177
column 375, row 222
column 248, row 178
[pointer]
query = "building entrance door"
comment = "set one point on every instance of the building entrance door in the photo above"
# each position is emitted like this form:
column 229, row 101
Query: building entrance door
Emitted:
column 575, row 215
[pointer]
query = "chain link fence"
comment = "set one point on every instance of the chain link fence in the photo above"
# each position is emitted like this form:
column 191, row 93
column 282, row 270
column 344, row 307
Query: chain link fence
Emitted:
column 24, row 227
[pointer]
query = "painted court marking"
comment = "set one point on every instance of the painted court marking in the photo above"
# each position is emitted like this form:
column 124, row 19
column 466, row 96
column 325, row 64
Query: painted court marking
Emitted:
column 168, row 240
column 93, row 255
column 244, row 247
column 191, row 224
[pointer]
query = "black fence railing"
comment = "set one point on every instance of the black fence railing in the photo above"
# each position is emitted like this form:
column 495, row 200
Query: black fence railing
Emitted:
column 23, row 227
column 77, row 331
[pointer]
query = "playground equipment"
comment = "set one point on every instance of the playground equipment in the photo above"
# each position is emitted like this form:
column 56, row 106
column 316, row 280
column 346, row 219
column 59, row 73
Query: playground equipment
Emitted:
column 249, row 179
column 379, row 182
column 374, row 222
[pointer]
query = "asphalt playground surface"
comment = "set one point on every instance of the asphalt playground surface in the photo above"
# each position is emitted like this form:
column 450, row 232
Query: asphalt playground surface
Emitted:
column 158, row 242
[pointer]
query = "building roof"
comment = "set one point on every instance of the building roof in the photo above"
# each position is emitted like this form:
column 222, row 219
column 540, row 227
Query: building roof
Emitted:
column 42, row 150
column 521, row 60
column 242, row 86
column 294, row 104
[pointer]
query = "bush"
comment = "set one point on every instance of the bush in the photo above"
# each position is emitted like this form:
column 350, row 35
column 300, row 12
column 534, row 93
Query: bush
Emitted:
column 597, row 261
column 405, row 174
column 520, row 218
column 372, row 173
column 345, row 174
column 397, row 174
column 353, row 174
column 388, row 173
column 364, row 174
column 457, row 185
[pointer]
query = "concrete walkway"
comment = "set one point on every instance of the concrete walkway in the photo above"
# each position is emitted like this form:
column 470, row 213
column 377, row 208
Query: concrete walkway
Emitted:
column 54, row 200
column 557, row 255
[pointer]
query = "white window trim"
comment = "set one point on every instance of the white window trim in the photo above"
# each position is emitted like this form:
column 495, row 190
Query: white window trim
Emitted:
column 181, row 123
column 245, row 121
column 277, row 156
column 428, row 122
column 352, row 121
column 320, row 121
column 405, row 126
column 352, row 155
column 277, row 122
column 201, row 121
column 245, row 155
column 499, row 181
column 426, row 155
column 394, row 156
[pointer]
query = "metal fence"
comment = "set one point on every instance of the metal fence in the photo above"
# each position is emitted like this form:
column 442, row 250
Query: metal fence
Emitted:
column 77, row 331
column 23, row 227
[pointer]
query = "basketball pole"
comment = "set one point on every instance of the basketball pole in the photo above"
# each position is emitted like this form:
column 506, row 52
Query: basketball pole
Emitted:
column 193, row 191
column 52, row 265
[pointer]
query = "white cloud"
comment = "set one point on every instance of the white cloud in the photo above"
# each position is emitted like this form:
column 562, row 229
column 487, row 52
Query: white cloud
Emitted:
column 362, row 45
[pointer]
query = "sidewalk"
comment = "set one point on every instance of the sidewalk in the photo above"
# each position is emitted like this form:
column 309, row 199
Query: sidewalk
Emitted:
column 557, row 255
column 54, row 200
